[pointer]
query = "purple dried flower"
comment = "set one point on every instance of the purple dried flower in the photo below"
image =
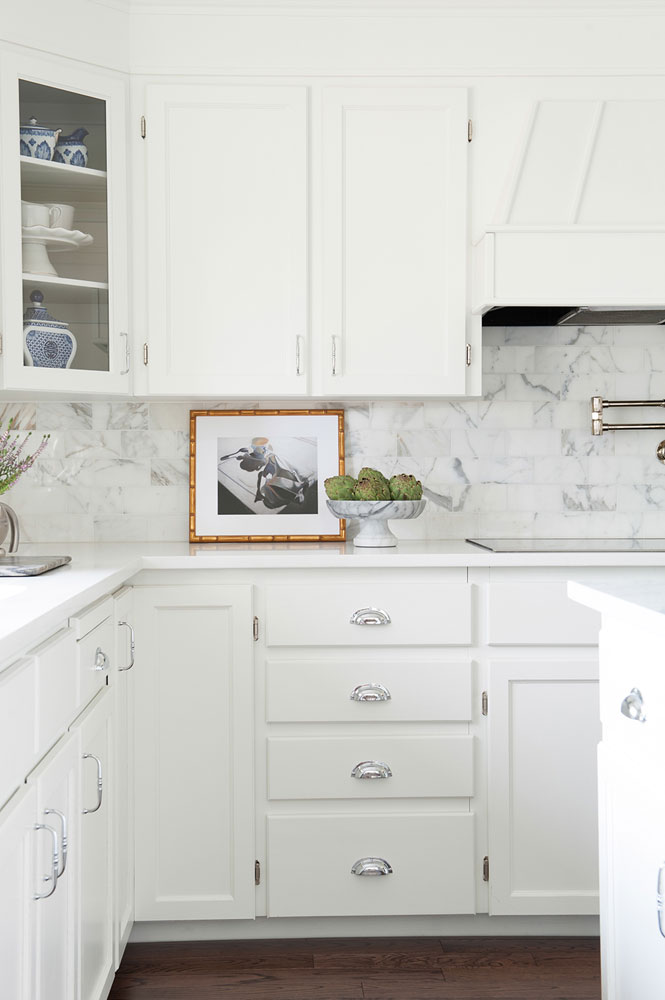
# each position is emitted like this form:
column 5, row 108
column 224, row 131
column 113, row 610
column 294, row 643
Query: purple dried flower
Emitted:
column 12, row 463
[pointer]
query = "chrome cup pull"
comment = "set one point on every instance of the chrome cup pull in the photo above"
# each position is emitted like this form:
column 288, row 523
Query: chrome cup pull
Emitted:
column 55, row 861
column 370, row 692
column 632, row 706
column 132, row 647
column 371, row 866
column 100, row 782
column 371, row 769
column 63, row 838
column 101, row 661
column 370, row 616
column 660, row 899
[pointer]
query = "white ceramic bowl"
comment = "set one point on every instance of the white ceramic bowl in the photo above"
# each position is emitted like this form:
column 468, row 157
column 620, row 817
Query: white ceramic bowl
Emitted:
column 374, row 516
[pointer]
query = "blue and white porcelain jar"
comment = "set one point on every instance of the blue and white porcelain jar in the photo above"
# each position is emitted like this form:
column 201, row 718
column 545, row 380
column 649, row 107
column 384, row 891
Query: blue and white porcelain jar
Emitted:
column 71, row 149
column 47, row 342
column 37, row 141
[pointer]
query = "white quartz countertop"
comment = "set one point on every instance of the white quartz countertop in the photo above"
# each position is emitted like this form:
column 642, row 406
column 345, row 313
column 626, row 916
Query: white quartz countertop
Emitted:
column 32, row 606
column 641, row 603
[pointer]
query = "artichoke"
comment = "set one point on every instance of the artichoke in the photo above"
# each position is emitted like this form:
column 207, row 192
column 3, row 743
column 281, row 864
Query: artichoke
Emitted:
column 405, row 487
column 371, row 489
column 373, row 474
column 340, row 487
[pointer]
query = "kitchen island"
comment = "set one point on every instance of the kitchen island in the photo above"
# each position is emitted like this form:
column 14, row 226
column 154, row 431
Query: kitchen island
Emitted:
column 631, row 791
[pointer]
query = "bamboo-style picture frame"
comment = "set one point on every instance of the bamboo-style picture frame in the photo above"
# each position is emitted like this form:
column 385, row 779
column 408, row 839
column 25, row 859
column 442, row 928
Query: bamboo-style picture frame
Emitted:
column 257, row 475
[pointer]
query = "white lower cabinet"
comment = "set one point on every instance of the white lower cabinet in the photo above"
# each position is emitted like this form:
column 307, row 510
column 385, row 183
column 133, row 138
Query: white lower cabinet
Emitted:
column 543, row 731
column 194, row 753
column 95, row 753
column 17, row 886
column 122, row 681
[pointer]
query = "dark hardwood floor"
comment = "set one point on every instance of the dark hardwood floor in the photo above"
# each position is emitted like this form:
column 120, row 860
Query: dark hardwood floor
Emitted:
column 470, row 968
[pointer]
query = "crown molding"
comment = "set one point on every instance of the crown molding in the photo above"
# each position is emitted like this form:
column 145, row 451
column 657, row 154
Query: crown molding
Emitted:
column 451, row 8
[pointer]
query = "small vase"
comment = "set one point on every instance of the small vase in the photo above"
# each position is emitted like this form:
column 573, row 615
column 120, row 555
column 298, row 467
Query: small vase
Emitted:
column 9, row 530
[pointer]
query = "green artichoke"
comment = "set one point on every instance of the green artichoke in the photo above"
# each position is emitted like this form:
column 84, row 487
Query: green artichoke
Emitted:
column 371, row 489
column 405, row 487
column 372, row 474
column 340, row 487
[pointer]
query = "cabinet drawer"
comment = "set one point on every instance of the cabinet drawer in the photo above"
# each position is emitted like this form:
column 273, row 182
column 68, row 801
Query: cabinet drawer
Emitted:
column 94, row 654
column 371, row 690
column 88, row 619
column 320, row 768
column 310, row 860
column 57, row 687
column 18, row 724
column 539, row 614
column 411, row 614
column 633, row 681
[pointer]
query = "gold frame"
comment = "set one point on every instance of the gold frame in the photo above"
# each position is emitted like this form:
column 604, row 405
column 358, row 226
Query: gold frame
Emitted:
column 193, row 414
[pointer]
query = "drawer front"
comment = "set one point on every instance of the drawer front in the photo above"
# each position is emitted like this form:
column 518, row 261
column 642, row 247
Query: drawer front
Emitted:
column 95, row 653
column 310, row 860
column 371, row 690
column 405, row 614
column 370, row 768
column 18, row 724
column 91, row 617
column 57, row 687
column 539, row 613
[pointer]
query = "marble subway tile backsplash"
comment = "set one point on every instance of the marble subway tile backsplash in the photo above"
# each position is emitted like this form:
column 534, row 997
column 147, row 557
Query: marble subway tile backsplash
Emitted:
column 519, row 461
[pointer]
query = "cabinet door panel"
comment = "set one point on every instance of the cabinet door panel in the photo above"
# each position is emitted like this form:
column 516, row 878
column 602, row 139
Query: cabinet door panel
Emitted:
column 544, row 728
column 17, row 886
column 123, row 689
column 226, row 216
column 194, row 753
column 394, row 240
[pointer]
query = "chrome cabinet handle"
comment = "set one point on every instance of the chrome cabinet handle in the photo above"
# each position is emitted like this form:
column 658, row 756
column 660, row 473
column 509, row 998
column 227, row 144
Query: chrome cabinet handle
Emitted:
column 371, row 866
column 632, row 706
column 370, row 616
column 333, row 368
column 101, row 661
column 371, row 769
column 63, row 838
column 660, row 899
column 132, row 647
column 100, row 782
column 125, row 370
column 55, row 861
column 370, row 692
column 298, row 355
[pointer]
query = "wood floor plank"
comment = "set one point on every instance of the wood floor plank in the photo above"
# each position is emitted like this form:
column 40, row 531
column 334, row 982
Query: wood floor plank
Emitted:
column 469, row 968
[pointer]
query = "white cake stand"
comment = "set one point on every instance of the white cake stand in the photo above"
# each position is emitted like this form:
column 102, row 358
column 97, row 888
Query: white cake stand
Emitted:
column 39, row 240
column 374, row 516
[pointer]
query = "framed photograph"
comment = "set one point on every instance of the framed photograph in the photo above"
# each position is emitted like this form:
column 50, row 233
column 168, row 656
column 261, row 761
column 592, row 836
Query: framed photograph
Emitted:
column 257, row 475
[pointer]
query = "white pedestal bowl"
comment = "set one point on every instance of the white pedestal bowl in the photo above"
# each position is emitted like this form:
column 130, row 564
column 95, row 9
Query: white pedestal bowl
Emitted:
column 374, row 516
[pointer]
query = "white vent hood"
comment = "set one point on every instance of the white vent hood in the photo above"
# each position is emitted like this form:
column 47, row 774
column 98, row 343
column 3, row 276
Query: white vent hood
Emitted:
column 583, row 221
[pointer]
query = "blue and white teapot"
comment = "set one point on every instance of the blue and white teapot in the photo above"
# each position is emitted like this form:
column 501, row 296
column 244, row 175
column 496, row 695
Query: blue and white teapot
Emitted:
column 71, row 149
column 37, row 141
column 48, row 343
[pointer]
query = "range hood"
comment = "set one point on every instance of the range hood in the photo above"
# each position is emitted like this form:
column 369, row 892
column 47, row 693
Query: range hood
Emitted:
column 580, row 236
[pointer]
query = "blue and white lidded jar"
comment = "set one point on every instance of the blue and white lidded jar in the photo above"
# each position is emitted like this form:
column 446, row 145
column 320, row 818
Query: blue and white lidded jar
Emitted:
column 37, row 141
column 47, row 342
column 71, row 149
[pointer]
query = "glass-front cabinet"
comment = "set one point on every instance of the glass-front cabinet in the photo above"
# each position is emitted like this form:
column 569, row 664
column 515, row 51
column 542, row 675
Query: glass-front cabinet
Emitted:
column 64, row 229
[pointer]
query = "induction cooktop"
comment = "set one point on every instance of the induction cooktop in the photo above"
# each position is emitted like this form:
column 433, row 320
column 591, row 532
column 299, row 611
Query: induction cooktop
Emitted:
column 570, row 544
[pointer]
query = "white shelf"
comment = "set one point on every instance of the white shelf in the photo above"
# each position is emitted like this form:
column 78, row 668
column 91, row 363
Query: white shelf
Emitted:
column 80, row 183
column 65, row 290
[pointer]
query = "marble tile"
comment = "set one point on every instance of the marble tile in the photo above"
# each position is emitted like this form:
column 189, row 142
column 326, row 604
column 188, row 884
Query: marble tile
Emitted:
column 120, row 415
column 164, row 472
column 120, row 528
column 22, row 415
column 64, row 416
column 582, row 497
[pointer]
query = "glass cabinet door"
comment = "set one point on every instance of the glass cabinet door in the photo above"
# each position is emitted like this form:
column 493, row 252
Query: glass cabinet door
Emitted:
column 64, row 238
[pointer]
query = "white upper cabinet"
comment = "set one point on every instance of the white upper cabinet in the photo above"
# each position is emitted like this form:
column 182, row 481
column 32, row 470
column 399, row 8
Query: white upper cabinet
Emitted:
column 394, row 174
column 226, row 239
column 64, row 238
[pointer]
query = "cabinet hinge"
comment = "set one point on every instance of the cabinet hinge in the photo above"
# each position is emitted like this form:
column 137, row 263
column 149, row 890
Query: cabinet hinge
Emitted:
column 143, row 128
column 484, row 703
column 469, row 130
column 145, row 354
column 486, row 869
column 257, row 873
column 1, row 344
column 255, row 633
column 468, row 355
